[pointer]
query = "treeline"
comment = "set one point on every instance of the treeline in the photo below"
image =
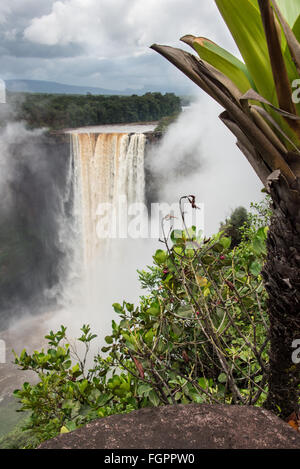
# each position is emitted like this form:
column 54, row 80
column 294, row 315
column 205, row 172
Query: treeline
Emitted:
column 164, row 123
column 57, row 111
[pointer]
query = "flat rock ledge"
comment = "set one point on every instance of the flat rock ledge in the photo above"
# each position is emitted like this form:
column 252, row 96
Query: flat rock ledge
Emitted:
column 192, row 426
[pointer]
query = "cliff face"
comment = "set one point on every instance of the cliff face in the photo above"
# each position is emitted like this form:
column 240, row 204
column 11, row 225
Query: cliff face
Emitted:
column 153, row 182
column 30, row 253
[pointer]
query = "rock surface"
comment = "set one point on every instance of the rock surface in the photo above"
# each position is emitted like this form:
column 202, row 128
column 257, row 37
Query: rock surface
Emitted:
column 190, row 426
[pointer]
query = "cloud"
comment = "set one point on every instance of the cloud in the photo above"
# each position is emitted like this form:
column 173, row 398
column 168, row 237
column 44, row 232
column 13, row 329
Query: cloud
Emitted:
column 17, row 17
column 123, row 28
column 102, row 43
column 14, row 46
column 4, row 12
column 24, row 10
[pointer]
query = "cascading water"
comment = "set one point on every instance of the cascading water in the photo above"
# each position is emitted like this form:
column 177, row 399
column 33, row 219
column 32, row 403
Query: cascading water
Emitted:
column 102, row 168
column 106, row 184
column 106, row 168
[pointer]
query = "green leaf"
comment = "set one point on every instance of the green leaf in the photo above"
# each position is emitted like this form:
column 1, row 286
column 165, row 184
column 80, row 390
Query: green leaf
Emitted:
column 197, row 398
column 67, row 364
column 118, row 308
column 71, row 426
column 144, row 390
column 226, row 242
column 149, row 337
column 296, row 29
column 177, row 237
column 290, row 10
column 222, row 378
column 108, row 339
column 225, row 62
column 178, row 250
column 160, row 257
column 279, row 63
column 130, row 341
column 154, row 309
column 103, row 399
column 105, row 349
column 154, row 399
column 83, row 385
column 125, row 324
column 184, row 312
column 259, row 246
column 255, row 268
column 129, row 307
column 203, row 382
column 244, row 22
column 262, row 233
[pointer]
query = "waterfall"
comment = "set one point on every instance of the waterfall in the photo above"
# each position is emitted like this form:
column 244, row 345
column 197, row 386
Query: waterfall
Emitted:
column 101, row 168
column 106, row 167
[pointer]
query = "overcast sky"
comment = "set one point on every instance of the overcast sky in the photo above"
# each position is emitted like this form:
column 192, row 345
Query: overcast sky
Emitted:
column 103, row 43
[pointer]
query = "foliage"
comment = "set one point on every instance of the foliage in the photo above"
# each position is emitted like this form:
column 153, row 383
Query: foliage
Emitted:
column 232, row 225
column 259, row 217
column 242, row 225
column 260, row 97
column 200, row 334
column 259, row 93
column 68, row 395
column 164, row 123
column 263, row 52
column 66, row 111
column 18, row 438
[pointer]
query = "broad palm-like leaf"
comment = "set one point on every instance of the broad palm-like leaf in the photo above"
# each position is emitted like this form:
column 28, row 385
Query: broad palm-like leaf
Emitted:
column 257, row 95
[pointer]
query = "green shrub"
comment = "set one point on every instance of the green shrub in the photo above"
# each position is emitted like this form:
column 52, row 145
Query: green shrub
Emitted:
column 200, row 334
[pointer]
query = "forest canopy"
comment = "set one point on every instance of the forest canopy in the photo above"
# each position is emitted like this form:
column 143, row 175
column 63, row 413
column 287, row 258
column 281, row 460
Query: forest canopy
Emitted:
column 57, row 111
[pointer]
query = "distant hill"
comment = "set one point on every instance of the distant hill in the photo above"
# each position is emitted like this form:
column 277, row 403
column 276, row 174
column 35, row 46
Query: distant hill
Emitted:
column 36, row 86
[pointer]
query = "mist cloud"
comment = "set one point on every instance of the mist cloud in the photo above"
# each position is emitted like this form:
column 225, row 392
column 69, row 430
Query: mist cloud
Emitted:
column 198, row 156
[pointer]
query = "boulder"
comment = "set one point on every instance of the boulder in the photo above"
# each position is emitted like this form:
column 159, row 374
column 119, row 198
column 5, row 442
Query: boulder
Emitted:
column 193, row 426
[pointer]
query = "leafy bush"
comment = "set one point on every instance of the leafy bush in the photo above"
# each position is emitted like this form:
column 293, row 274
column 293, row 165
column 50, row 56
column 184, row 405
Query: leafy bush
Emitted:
column 200, row 334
